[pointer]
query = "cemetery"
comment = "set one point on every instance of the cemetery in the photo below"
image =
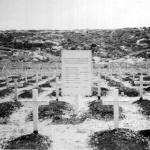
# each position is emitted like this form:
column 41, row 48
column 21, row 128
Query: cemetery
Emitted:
column 75, row 104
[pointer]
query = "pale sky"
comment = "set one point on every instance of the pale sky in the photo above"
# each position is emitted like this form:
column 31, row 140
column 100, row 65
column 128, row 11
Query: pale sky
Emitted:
column 73, row 14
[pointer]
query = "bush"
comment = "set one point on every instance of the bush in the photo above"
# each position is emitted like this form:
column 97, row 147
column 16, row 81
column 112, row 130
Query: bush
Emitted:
column 26, row 94
column 59, row 112
column 118, row 139
column 47, row 84
column 54, row 93
column 129, row 91
column 30, row 141
column 145, row 106
column 7, row 108
column 99, row 111
column 5, row 92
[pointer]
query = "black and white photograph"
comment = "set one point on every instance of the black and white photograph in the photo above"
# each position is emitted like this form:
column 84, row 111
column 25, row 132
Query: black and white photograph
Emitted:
column 74, row 75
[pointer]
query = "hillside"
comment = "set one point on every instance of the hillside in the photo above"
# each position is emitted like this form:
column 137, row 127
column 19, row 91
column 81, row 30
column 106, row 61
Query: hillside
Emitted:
column 104, row 43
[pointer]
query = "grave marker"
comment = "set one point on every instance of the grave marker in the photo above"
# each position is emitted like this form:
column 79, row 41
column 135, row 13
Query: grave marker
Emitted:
column 115, row 103
column 16, row 89
column 141, row 82
column 35, row 104
column 37, row 80
column 57, row 88
column 76, row 73
column 99, row 85
column 26, row 76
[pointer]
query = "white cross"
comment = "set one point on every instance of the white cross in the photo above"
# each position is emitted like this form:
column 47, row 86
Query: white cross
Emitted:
column 16, row 89
column 99, row 86
column 141, row 82
column 115, row 103
column 36, row 102
column 57, row 89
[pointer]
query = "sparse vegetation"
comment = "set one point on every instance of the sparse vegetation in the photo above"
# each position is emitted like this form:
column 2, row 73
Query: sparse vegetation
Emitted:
column 118, row 139
column 60, row 112
column 99, row 111
column 30, row 141
column 7, row 108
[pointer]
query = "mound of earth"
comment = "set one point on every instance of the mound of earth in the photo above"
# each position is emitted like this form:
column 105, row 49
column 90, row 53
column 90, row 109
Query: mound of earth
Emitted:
column 118, row 139
column 144, row 105
column 30, row 141
column 47, row 84
column 5, row 92
column 28, row 93
column 53, row 94
column 104, row 91
column 99, row 111
column 60, row 112
column 130, row 92
column 6, row 109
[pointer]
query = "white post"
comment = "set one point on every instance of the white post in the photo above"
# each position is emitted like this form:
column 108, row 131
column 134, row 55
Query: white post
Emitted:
column 16, row 90
column 35, row 111
column 116, row 109
column 141, row 86
column 133, row 76
column 57, row 89
column 76, row 103
column 7, row 82
column 26, row 76
column 99, row 87
column 37, row 80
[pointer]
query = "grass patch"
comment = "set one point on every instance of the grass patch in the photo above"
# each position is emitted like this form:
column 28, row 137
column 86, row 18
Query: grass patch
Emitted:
column 104, row 91
column 118, row 139
column 30, row 141
column 60, row 112
column 5, row 92
column 28, row 93
column 145, row 106
column 14, row 77
column 30, row 77
column 24, row 85
column 2, row 80
column 147, row 78
column 53, row 94
column 99, row 111
column 2, row 84
column 47, row 84
column 147, row 89
column 44, row 77
column 145, row 133
column 129, row 79
column 7, row 108
column 130, row 92
column 32, row 81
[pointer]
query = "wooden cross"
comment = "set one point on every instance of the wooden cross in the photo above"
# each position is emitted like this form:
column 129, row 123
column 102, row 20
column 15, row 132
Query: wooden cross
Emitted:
column 57, row 84
column 37, row 80
column 57, row 88
column 99, row 86
column 115, row 103
column 141, row 82
column 35, row 104
column 16, row 89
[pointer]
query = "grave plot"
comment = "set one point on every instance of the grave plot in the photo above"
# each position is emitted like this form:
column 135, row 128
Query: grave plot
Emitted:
column 128, row 91
column 25, row 141
column 63, row 122
column 118, row 139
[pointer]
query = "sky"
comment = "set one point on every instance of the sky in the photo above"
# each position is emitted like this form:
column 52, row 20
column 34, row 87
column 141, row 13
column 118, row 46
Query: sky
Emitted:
column 73, row 14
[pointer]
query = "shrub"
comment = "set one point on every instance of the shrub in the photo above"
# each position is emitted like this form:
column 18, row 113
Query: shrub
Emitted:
column 30, row 141
column 118, row 139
